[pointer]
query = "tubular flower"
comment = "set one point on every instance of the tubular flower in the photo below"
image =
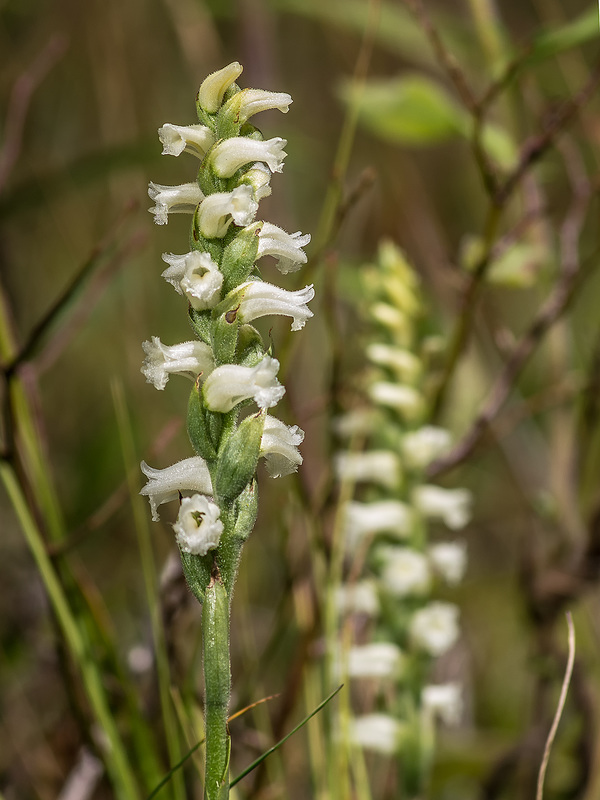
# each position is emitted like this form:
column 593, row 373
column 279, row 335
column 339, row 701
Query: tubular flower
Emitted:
column 210, row 93
column 164, row 485
column 248, row 102
column 376, row 660
column 379, row 732
column 195, row 139
column 285, row 247
column 405, row 571
column 382, row 516
column 279, row 447
column 422, row 446
column 376, row 466
column 449, row 560
column 452, row 506
column 181, row 199
column 434, row 628
column 218, row 211
column 444, row 700
column 198, row 528
column 230, row 384
column 196, row 276
column 259, row 178
column 231, row 154
column 260, row 299
column 187, row 358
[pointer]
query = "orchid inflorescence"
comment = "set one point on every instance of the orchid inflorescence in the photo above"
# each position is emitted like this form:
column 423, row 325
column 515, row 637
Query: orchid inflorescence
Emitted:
column 386, row 530
column 227, row 362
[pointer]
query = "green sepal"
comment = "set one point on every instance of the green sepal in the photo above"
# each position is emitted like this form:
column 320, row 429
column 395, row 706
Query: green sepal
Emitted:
column 238, row 459
column 250, row 348
column 214, row 247
column 224, row 338
column 201, row 322
column 197, row 571
column 239, row 520
column 208, row 181
column 239, row 256
column 204, row 427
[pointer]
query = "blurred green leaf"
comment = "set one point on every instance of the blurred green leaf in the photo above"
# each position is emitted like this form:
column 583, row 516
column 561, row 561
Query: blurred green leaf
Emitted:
column 417, row 111
column 574, row 34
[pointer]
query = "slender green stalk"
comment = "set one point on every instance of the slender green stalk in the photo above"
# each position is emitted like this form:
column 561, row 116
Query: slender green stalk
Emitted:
column 116, row 761
column 217, row 684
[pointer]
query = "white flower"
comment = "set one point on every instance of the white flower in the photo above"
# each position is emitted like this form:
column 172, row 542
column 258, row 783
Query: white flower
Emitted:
column 393, row 319
column 422, row 446
column 449, row 560
column 248, row 102
column 453, row 506
column 285, row 247
column 279, row 446
column 434, row 628
column 181, row 199
column 376, row 466
column 259, row 299
column 231, row 154
column 404, row 399
column 164, row 485
column 358, row 598
column 187, row 358
column 198, row 527
column 383, row 516
column 229, row 384
column 219, row 210
column 378, row 732
column 403, row 362
column 444, row 701
column 196, row 139
column 405, row 571
column 259, row 178
column 196, row 276
column 376, row 660
column 213, row 87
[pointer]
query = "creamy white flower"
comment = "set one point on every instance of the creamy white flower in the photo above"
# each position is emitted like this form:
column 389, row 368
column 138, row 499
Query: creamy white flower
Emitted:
column 285, row 247
column 378, row 732
column 196, row 276
column 383, row 516
column 279, row 447
column 422, row 446
column 443, row 701
column 195, row 139
column 164, row 485
column 403, row 362
column 188, row 358
column 405, row 571
column 248, row 102
column 231, row 154
column 449, row 560
column 259, row 299
column 376, row 466
column 230, row 384
column 452, row 506
column 198, row 528
column 434, row 628
column 358, row 598
column 219, row 210
column 213, row 87
column 375, row 660
column 404, row 399
column 259, row 178
column 393, row 319
column 181, row 199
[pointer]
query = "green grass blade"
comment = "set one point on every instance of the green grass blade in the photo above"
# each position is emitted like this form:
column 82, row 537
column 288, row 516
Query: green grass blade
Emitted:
column 268, row 752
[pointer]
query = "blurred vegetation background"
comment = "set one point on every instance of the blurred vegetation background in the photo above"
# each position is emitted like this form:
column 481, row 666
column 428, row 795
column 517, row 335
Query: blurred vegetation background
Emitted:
column 83, row 88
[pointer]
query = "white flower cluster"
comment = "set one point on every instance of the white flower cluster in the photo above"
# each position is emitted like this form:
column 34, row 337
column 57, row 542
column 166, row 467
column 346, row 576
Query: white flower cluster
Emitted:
column 386, row 526
column 225, row 293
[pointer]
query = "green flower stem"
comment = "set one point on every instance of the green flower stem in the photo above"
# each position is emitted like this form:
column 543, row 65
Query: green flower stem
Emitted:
column 217, row 687
column 116, row 761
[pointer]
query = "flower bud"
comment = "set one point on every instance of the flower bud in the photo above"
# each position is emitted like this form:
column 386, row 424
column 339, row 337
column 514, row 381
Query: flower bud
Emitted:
column 212, row 89
column 237, row 463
